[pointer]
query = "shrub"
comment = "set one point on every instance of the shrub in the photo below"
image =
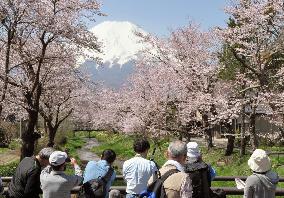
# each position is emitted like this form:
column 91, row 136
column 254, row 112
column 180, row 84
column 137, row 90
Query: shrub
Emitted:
column 15, row 144
column 8, row 131
column 9, row 169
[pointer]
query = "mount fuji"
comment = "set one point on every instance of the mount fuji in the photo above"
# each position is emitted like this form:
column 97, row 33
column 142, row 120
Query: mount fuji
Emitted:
column 120, row 48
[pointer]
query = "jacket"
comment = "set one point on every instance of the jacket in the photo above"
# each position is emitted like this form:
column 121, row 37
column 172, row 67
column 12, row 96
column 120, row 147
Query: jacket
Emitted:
column 176, row 184
column 261, row 185
column 25, row 182
column 199, row 173
column 56, row 184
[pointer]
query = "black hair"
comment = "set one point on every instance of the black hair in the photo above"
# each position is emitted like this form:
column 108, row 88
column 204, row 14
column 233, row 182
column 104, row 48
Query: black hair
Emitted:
column 141, row 145
column 108, row 155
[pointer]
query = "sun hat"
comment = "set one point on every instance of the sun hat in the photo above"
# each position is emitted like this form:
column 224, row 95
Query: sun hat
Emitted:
column 193, row 150
column 58, row 158
column 259, row 161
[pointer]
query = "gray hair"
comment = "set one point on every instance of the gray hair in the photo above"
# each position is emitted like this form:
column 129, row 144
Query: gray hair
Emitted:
column 114, row 193
column 177, row 148
column 45, row 152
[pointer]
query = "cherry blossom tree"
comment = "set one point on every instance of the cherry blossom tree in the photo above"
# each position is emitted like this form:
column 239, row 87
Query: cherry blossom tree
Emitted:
column 188, row 57
column 59, row 94
column 253, row 38
column 33, row 29
column 173, row 82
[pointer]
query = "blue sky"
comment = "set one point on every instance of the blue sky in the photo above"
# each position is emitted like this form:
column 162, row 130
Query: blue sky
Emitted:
column 158, row 16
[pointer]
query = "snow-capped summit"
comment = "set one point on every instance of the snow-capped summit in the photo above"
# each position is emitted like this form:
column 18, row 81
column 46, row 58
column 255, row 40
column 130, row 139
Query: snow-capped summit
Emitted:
column 120, row 44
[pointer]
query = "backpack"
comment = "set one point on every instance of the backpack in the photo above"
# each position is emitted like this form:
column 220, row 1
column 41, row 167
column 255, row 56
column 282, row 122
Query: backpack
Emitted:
column 198, row 173
column 96, row 188
column 156, row 188
column 200, row 176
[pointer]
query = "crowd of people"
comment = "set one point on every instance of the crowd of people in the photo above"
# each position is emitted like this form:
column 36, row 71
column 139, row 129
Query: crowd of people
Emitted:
column 183, row 175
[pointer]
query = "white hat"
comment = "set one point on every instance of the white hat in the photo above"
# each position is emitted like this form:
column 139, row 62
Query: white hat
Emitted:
column 193, row 150
column 57, row 158
column 259, row 161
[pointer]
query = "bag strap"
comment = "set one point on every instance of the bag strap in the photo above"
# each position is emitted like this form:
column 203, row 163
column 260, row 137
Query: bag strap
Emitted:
column 108, row 175
column 168, row 173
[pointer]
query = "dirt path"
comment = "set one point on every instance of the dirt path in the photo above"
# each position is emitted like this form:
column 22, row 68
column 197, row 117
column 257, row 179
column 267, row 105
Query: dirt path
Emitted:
column 86, row 154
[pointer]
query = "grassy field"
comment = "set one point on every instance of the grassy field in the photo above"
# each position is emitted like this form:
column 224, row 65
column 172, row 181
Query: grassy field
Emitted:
column 232, row 165
column 225, row 165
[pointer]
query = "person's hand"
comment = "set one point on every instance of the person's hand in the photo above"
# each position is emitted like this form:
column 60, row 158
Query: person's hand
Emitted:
column 73, row 161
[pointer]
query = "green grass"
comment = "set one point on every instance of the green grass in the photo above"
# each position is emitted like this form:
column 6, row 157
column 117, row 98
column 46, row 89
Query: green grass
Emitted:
column 8, row 169
column 122, row 145
column 232, row 165
column 3, row 150
column 73, row 143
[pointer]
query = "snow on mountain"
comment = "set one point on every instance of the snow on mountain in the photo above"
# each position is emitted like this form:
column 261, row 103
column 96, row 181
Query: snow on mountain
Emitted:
column 119, row 42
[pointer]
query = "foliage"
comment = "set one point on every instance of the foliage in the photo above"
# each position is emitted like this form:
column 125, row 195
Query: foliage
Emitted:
column 15, row 144
column 8, row 131
column 73, row 143
column 224, row 165
column 123, row 146
column 8, row 169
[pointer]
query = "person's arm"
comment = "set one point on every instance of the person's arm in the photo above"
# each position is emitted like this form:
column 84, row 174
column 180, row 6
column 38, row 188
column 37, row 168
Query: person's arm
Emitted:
column 124, row 171
column 32, row 188
column 249, row 188
column 109, row 183
column 186, row 188
column 78, row 177
column 212, row 172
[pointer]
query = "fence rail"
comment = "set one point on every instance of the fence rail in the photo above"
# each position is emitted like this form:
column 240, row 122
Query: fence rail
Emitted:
column 228, row 190
column 217, row 178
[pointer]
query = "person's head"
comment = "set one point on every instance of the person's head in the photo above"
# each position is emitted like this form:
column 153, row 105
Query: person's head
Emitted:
column 141, row 146
column 259, row 161
column 193, row 152
column 57, row 160
column 114, row 193
column 109, row 156
column 177, row 151
column 43, row 156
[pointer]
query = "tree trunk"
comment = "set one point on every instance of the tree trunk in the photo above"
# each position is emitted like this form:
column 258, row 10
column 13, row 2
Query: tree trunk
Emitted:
column 45, row 127
column 209, row 139
column 230, row 145
column 243, row 128
column 207, row 131
column 180, row 136
column 51, row 135
column 253, row 138
column 29, row 137
column 231, row 140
